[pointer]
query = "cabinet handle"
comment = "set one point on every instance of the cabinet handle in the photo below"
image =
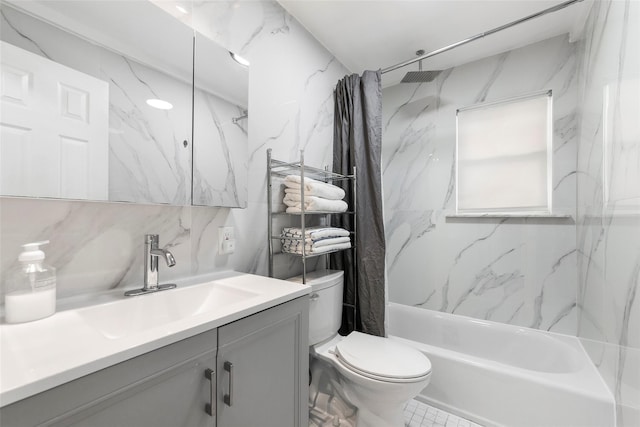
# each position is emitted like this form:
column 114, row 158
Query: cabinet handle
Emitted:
column 228, row 398
column 210, row 408
column 314, row 296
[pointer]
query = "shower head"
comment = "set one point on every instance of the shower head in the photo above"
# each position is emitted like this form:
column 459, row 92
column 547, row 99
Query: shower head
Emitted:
column 420, row 76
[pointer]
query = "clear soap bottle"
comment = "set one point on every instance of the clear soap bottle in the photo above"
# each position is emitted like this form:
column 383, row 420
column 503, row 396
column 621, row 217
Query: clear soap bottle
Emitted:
column 30, row 292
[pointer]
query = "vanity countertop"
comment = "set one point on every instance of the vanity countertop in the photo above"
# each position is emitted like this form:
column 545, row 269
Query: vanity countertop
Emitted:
column 80, row 339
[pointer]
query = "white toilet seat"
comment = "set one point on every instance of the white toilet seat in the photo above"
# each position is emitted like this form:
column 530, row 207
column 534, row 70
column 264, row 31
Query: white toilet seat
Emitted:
column 382, row 359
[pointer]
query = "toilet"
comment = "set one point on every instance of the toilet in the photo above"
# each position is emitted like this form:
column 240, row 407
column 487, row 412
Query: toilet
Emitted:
column 377, row 375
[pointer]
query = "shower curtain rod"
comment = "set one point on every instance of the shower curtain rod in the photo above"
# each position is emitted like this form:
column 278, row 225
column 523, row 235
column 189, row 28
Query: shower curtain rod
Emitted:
column 481, row 35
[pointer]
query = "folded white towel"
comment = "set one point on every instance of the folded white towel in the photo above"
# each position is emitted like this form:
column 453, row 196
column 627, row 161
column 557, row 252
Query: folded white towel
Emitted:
column 318, row 243
column 289, row 245
column 321, row 249
column 313, row 203
column 314, row 233
column 330, row 192
column 296, row 197
column 313, row 187
column 317, row 204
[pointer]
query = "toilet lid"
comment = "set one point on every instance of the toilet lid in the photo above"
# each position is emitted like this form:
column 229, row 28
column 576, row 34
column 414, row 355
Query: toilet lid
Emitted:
column 382, row 358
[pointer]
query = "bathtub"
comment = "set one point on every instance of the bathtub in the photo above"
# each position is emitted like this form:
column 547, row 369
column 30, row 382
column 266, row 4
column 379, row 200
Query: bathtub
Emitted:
column 503, row 375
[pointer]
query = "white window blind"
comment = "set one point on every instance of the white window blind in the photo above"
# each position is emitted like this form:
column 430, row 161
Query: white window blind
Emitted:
column 503, row 156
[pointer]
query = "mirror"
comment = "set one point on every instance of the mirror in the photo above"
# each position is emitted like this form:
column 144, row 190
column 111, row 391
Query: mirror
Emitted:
column 98, row 101
column 220, row 119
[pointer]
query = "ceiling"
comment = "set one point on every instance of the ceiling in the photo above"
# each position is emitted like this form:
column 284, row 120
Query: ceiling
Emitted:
column 373, row 34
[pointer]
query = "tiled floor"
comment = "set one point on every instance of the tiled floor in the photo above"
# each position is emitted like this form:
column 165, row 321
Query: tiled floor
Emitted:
column 418, row 414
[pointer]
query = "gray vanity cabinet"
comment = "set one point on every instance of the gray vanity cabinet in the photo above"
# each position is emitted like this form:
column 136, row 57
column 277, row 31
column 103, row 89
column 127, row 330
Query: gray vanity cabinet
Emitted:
column 263, row 368
column 267, row 382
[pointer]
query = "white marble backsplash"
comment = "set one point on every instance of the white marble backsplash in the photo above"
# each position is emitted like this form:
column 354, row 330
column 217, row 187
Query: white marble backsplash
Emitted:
column 95, row 246
column 608, row 229
column 519, row 271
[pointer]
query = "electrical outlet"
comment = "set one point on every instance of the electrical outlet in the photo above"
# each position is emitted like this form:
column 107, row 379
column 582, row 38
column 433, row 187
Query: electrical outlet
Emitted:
column 226, row 240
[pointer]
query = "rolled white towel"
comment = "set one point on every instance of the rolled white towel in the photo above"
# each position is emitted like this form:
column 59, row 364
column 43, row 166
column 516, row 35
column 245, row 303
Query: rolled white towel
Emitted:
column 313, row 187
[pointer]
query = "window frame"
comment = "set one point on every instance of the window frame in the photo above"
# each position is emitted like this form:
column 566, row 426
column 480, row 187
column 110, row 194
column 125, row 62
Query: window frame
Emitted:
column 519, row 211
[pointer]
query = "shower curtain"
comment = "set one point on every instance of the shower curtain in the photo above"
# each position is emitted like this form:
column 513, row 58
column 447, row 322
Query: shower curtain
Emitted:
column 357, row 141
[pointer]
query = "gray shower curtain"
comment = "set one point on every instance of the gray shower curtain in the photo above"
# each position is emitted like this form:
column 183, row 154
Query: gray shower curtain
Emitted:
column 357, row 141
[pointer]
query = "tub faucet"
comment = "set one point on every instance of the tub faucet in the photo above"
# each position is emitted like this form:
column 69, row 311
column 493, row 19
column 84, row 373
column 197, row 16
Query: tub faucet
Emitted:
column 151, row 254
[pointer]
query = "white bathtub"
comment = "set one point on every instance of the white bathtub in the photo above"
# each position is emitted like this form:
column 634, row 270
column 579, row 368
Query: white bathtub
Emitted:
column 502, row 375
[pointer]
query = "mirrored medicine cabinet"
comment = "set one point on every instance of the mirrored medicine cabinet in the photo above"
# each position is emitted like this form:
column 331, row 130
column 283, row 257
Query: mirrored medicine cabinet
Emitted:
column 119, row 101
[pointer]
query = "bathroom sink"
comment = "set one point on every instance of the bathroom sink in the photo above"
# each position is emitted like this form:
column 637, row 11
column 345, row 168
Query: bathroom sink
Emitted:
column 135, row 314
column 80, row 339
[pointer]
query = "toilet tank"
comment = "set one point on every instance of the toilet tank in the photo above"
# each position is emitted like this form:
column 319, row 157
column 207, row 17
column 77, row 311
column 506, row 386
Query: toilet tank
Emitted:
column 325, row 303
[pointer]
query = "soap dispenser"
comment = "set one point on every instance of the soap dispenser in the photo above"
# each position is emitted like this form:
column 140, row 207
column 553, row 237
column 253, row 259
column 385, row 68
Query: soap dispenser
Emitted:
column 30, row 292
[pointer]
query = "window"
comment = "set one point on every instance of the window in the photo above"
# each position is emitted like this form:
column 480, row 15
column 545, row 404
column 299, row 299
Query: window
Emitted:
column 503, row 156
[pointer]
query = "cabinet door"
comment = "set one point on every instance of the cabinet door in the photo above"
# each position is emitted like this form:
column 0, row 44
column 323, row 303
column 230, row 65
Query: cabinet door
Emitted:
column 175, row 398
column 263, row 368
column 165, row 387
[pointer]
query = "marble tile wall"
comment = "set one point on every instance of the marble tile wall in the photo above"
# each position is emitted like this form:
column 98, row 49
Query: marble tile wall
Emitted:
column 608, row 198
column 295, row 114
column 97, row 246
column 520, row 271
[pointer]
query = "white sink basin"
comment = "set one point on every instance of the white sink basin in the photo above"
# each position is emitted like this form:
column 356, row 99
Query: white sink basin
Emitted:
column 139, row 313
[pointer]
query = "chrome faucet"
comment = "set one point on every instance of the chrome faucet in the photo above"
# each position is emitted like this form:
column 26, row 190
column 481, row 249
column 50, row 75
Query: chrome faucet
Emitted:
column 151, row 254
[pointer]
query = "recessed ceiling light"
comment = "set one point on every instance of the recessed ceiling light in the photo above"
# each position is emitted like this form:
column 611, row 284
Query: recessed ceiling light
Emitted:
column 159, row 104
column 239, row 59
column 182, row 9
